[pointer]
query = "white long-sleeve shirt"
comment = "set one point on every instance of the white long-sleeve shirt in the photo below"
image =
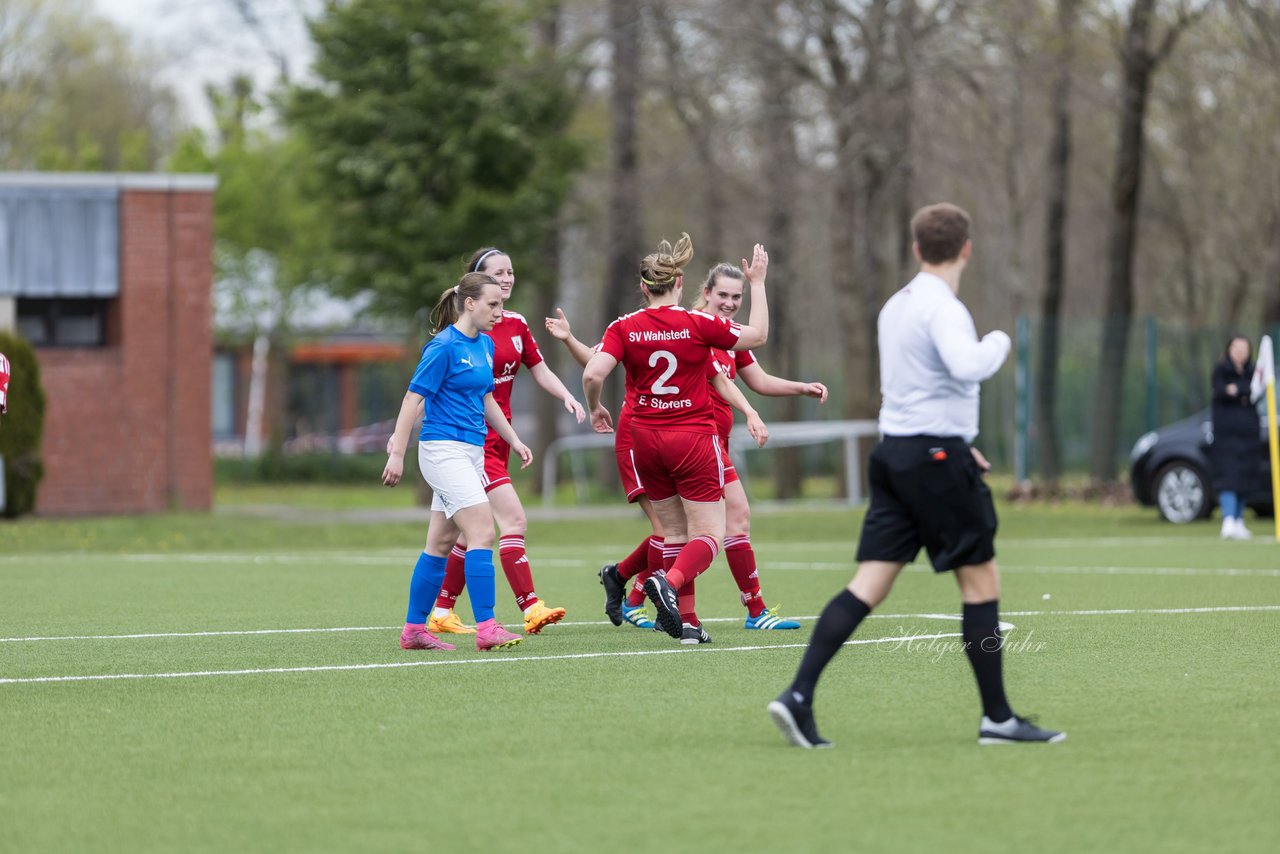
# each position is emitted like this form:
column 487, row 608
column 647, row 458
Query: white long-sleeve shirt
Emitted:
column 931, row 362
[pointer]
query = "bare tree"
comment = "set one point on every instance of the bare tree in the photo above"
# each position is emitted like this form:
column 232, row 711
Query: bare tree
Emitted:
column 1046, row 396
column 778, row 144
column 687, row 92
column 1141, row 53
column 624, row 180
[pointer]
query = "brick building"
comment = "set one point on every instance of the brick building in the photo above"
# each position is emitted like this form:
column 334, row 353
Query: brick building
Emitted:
column 110, row 276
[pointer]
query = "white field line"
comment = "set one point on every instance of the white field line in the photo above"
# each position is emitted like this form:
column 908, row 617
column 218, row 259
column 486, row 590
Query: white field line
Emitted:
column 499, row 658
column 393, row 555
column 1017, row 569
column 950, row 617
column 235, row 632
column 398, row 559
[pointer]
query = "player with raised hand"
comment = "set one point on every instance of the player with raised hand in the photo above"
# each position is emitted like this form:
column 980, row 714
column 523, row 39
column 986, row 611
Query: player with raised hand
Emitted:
column 721, row 296
column 664, row 349
column 513, row 346
column 648, row 556
column 452, row 388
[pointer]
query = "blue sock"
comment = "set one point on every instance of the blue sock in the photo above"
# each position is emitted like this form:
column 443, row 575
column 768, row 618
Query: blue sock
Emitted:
column 424, row 587
column 479, row 570
column 1230, row 504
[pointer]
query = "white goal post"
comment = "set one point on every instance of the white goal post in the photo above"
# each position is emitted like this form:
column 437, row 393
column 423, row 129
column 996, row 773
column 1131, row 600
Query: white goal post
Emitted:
column 781, row 434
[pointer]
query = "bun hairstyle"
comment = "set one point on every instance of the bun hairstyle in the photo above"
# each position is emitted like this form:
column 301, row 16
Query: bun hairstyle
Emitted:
column 725, row 269
column 454, row 300
column 659, row 271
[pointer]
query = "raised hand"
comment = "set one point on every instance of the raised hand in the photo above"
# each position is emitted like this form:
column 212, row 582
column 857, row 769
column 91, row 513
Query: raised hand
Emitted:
column 558, row 326
column 759, row 266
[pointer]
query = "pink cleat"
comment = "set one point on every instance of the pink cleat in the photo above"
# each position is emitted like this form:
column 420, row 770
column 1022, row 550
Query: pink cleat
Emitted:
column 419, row 638
column 490, row 635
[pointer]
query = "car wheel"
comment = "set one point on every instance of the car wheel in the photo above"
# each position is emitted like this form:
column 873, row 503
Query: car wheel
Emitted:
column 1182, row 493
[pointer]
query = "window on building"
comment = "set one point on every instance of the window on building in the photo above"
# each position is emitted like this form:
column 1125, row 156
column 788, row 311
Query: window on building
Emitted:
column 59, row 322
column 224, row 396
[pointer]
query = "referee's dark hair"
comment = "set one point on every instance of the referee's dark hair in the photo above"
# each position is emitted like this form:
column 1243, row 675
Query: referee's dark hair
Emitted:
column 940, row 231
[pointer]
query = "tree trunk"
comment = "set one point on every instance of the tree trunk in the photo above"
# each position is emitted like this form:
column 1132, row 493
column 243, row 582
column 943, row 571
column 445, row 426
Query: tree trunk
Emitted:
column 622, row 278
column 870, row 271
column 1271, row 309
column 856, row 344
column 780, row 152
column 1138, row 64
column 546, row 408
column 1046, row 395
column 696, row 114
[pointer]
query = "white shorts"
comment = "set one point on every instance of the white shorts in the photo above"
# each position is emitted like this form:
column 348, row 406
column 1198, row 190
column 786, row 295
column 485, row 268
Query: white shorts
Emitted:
column 455, row 473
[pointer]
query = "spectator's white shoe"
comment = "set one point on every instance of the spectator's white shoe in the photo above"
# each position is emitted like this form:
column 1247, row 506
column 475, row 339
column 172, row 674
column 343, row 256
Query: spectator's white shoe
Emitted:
column 1242, row 533
column 1228, row 528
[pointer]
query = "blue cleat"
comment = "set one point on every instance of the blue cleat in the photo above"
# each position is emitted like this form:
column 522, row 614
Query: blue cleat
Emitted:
column 769, row 619
column 637, row 616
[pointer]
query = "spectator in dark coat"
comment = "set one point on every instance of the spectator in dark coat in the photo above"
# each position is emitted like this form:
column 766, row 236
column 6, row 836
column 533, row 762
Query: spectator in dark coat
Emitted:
column 1236, row 428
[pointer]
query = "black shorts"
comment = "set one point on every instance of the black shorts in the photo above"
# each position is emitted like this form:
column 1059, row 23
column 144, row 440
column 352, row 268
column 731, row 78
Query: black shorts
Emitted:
column 927, row 491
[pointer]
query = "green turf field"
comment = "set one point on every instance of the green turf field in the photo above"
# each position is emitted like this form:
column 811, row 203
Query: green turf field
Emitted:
column 263, row 703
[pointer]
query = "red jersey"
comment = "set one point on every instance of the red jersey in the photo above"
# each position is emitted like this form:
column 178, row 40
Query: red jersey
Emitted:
column 513, row 345
column 727, row 362
column 665, row 352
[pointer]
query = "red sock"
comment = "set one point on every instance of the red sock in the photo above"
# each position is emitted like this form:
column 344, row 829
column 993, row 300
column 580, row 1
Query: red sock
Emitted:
column 636, row 562
column 656, row 546
column 515, row 563
column 684, row 599
column 742, row 563
column 455, row 579
column 635, row 596
column 694, row 559
column 670, row 551
column 653, row 563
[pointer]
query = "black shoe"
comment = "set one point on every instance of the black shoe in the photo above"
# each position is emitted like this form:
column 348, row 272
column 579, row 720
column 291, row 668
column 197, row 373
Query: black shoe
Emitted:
column 663, row 597
column 614, row 589
column 1016, row 730
column 795, row 720
column 690, row 633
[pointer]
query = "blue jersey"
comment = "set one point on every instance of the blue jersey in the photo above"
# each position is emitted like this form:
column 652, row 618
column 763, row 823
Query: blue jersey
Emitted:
column 453, row 376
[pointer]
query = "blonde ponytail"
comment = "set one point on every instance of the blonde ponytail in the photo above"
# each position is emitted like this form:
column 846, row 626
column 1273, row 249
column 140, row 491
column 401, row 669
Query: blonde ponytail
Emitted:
column 659, row 270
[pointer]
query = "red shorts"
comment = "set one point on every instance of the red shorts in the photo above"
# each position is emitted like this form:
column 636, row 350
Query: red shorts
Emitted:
column 625, row 456
column 671, row 463
column 496, row 454
column 730, row 472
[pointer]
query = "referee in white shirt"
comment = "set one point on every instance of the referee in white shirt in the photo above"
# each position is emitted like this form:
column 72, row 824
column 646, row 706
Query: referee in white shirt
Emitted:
column 926, row 482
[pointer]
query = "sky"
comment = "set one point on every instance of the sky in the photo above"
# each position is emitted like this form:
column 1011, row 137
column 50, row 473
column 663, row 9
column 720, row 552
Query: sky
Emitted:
column 204, row 41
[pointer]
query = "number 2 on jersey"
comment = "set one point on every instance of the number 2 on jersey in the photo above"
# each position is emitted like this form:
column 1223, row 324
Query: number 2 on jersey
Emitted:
column 659, row 386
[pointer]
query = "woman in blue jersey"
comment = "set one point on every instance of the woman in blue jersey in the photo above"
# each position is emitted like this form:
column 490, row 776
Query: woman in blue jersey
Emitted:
column 454, row 385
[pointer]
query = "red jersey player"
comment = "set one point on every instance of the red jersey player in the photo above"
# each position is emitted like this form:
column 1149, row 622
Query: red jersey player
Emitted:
column 648, row 556
column 665, row 349
column 4, row 384
column 722, row 296
column 513, row 346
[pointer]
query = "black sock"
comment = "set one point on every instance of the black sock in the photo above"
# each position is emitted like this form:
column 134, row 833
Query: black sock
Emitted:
column 983, row 642
column 838, row 620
